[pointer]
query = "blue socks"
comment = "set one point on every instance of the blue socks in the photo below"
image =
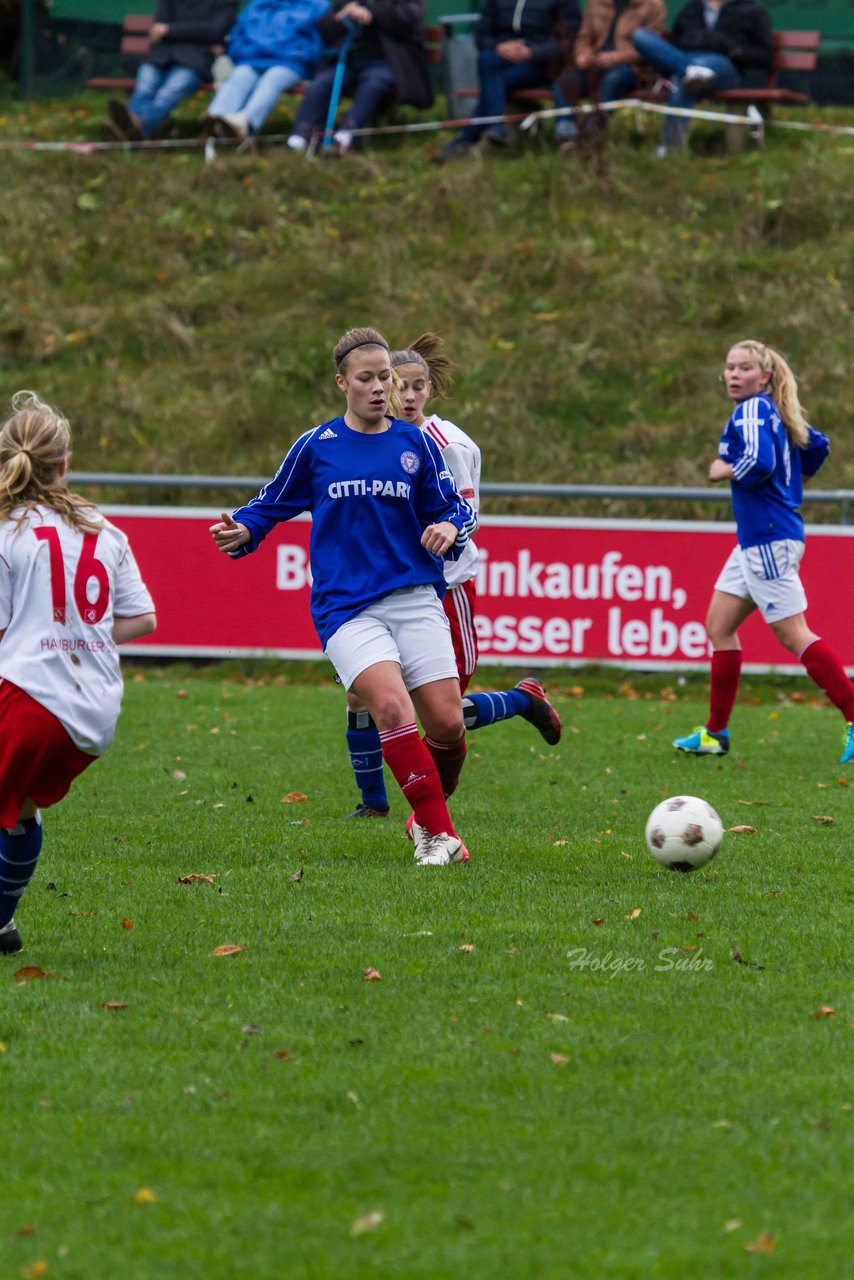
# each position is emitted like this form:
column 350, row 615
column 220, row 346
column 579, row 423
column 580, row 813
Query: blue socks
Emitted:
column 482, row 709
column 366, row 757
column 19, row 852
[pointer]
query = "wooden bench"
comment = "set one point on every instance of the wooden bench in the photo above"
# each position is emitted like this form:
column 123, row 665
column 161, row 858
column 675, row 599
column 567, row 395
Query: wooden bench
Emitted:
column 134, row 44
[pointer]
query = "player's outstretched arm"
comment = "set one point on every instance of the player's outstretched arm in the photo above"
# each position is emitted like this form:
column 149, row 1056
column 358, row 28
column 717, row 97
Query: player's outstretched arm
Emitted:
column 228, row 534
column 125, row 629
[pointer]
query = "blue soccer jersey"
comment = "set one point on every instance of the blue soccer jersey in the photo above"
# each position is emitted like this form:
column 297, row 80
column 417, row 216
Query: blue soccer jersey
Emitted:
column 370, row 496
column 767, row 475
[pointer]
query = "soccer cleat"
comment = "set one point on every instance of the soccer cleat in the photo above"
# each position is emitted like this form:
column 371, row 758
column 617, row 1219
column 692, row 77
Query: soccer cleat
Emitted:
column 703, row 743
column 440, row 850
column 368, row 811
column 541, row 713
column 10, row 940
column 420, row 835
column 848, row 747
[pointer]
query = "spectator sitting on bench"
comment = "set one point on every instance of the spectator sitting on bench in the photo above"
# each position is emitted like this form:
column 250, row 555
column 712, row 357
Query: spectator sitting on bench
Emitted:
column 712, row 44
column 605, row 64
column 273, row 45
column 184, row 38
column 387, row 61
column 519, row 43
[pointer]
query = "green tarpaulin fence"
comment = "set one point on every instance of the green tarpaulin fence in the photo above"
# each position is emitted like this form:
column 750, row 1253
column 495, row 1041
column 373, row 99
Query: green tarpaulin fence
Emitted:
column 834, row 18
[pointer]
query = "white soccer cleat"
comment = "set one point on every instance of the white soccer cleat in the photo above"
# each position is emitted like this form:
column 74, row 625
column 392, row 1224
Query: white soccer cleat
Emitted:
column 440, row 851
column 420, row 835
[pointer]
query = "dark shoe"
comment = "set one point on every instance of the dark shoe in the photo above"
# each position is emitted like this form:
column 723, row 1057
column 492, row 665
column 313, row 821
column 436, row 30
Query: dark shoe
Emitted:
column 541, row 713
column 125, row 123
column 497, row 137
column 453, row 150
column 365, row 811
column 10, row 940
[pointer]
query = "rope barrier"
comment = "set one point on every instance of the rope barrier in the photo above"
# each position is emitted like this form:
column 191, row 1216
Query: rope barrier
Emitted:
column 752, row 120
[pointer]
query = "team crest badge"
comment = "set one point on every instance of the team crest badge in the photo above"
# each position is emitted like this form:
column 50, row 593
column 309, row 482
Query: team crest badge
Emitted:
column 410, row 462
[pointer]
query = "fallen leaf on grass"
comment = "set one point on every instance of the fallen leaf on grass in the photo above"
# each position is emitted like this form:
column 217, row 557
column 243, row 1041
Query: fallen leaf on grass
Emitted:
column 127, row 923
column 742, row 830
column 197, row 877
column 826, row 1011
column 764, row 1243
column 732, row 1224
column 250, row 1030
column 372, row 975
column 39, row 1268
column 599, row 920
column 843, row 782
column 739, row 959
column 4, row 1048
column 26, row 1230
column 294, row 797
column 557, row 1017
column 144, row 1196
column 368, row 1222
column 634, row 913
column 559, row 1059
column 823, row 819
column 467, row 946
column 31, row 973
column 298, row 875
column 282, row 1055
column 114, row 1004
column 227, row 949
column 179, row 775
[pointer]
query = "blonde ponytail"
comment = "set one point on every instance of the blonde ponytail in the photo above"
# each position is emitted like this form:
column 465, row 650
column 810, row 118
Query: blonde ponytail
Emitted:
column 34, row 444
column 783, row 389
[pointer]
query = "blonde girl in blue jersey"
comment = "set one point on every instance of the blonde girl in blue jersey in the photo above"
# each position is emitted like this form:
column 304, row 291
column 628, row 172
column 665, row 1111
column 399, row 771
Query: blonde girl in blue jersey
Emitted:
column 384, row 514
column 766, row 448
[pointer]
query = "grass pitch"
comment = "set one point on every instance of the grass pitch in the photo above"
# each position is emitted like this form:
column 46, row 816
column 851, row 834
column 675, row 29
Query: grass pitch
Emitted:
column 573, row 1063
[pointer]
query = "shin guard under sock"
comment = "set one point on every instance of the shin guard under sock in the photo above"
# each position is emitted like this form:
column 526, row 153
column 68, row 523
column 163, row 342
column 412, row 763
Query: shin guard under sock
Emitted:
column 19, row 852
column 366, row 758
column 726, row 672
column 825, row 670
column 449, row 758
column 413, row 767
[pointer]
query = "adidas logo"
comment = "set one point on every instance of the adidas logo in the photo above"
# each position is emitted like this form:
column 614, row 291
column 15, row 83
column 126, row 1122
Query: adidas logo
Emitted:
column 328, row 434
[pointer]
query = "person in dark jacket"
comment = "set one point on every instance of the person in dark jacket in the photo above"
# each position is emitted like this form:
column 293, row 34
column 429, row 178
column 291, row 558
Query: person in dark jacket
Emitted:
column 712, row 45
column 519, row 43
column 273, row 45
column 185, row 37
column 387, row 61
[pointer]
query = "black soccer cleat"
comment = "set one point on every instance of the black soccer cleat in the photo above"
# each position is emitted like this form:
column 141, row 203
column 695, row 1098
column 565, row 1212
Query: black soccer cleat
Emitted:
column 367, row 811
column 541, row 713
column 10, row 940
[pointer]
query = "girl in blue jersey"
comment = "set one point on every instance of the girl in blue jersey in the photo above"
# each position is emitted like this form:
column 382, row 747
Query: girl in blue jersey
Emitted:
column 424, row 371
column 384, row 514
column 765, row 450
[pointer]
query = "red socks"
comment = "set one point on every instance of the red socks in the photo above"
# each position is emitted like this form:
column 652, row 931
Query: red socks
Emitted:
column 825, row 669
column 416, row 775
column 726, row 670
column 448, row 758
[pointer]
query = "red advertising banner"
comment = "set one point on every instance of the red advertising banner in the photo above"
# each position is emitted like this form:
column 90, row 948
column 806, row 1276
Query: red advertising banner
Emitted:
column 550, row 591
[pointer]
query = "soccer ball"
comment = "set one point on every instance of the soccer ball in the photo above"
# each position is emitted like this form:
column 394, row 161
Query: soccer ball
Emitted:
column 683, row 833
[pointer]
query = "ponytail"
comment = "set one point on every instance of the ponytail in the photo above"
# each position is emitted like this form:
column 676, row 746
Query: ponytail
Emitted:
column 783, row 389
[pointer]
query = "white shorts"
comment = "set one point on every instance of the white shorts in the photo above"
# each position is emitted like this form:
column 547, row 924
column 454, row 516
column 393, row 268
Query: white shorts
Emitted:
column 408, row 627
column 767, row 575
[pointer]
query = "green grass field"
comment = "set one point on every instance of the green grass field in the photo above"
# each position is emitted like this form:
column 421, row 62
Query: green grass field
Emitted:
column 563, row 1071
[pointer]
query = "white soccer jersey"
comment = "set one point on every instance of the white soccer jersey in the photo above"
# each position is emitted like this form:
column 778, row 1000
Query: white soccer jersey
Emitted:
column 59, row 593
column 463, row 457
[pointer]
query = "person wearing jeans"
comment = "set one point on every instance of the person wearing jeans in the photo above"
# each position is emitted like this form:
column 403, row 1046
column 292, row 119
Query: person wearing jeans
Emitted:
column 712, row 45
column 519, row 43
column 605, row 65
column 387, row 61
column 185, row 37
column 274, row 45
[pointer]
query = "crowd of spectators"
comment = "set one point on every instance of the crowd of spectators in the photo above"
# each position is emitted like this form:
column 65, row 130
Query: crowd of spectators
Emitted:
column 372, row 53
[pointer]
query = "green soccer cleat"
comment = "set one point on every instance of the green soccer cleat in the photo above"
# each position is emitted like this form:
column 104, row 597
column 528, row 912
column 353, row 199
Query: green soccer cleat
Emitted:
column 848, row 746
column 703, row 743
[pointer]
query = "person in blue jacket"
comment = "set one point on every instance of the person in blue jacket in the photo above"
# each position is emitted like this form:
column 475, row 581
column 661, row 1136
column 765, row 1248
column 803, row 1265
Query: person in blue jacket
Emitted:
column 274, row 45
column 385, row 513
column 766, row 448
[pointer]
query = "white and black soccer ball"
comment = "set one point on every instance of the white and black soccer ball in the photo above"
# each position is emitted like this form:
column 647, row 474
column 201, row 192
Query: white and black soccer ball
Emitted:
column 683, row 833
